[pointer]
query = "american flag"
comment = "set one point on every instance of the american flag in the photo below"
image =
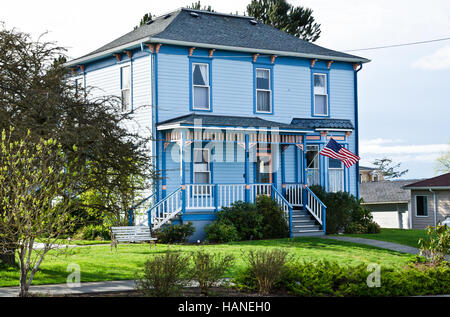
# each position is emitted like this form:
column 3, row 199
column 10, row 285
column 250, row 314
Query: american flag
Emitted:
column 337, row 151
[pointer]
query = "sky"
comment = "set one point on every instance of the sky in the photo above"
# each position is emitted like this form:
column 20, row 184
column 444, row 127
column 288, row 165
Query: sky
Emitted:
column 404, row 109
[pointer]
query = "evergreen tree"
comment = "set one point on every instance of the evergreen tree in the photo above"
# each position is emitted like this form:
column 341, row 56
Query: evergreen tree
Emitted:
column 297, row 21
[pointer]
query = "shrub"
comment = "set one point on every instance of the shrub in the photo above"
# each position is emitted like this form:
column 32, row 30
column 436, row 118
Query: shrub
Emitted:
column 438, row 244
column 326, row 278
column 267, row 267
column 209, row 268
column 245, row 217
column 93, row 232
column 247, row 221
column 274, row 220
column 345, row 213
column 221, row 232
column 164, row 275
column 175, row 233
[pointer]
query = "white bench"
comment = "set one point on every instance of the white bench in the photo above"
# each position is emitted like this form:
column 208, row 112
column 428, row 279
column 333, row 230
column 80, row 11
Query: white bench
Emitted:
column 130, row 234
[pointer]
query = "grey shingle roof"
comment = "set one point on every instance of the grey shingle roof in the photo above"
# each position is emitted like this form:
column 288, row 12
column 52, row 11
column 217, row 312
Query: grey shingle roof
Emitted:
column 385, row 191
column 323, row 123
column 228, row 121
column 224, row 30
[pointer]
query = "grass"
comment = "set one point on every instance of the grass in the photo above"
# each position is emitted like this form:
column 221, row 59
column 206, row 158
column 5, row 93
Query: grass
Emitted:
column 99, row 263
column 409, row 237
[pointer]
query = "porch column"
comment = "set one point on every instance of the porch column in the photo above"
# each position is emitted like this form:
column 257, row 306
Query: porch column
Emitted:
column 247, row 170
column 182, row 173
column 163, row 163
column 303, row 158
column 283, row 169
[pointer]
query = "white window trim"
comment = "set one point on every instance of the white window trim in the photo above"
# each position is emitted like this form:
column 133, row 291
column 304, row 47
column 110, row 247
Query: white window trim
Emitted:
column 130, row 89
column 209, row 165
column 76, row 79
column 337, row 169
column 265, row 90
column 201, row 86
column 325, row 94
column 415, row 201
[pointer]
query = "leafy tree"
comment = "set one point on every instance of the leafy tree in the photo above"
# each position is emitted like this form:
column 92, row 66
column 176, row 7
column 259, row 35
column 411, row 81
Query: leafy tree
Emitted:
column 297, row 21
column 443, row 162
column 388, row 168
column 38, row 94
column 37, row 181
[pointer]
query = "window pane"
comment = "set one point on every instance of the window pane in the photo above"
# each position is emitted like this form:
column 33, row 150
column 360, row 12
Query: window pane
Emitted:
column 201, row 97
column 126, row 99
column 263, row 101
column 200, row 156
column 333, row 163
column 320, row 104
column 201, row 178
column 422, row 208
column 262, row 79
column 319, row 81
column 201, row 75
column 312, row 159
column 126, row 78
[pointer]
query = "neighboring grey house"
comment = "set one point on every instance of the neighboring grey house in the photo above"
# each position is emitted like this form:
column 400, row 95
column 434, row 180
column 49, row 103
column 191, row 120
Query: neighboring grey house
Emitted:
column 430, row 201
column 389, row 202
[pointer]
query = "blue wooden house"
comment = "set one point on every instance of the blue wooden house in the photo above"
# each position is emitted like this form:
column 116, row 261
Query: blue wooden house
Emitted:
column 237, row 109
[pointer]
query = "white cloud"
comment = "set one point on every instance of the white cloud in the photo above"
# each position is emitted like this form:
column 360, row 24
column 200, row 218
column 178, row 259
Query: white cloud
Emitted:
column 439, row 60
column 400, row 152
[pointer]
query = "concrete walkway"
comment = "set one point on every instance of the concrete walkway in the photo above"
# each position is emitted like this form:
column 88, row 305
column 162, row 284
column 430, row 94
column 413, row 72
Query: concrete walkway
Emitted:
column 380, row 244
column 63, row 289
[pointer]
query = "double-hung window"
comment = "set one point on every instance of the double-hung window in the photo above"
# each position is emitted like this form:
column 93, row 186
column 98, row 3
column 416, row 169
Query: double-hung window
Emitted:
column 421, row 206
column 320, row 95
column 202, row 173
column 201, row 89
column 79, row 85
column 125, row 87
column 263, row 91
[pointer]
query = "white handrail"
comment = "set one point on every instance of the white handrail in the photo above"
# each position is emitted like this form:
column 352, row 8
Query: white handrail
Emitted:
column 314, row 205
column 166, row 209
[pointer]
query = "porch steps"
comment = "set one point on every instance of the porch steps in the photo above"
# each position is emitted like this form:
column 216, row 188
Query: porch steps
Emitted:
column 304, row 225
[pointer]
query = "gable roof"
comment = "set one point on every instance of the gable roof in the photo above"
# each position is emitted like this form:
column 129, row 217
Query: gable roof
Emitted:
column 385, row 192
column 220, row 31
column 438, row 181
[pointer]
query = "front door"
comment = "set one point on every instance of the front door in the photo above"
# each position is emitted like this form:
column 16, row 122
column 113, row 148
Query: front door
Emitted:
column 264, row 171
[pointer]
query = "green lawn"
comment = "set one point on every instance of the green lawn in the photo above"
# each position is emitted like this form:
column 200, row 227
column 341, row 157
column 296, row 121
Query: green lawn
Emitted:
column 98, row 263
column 408, row 237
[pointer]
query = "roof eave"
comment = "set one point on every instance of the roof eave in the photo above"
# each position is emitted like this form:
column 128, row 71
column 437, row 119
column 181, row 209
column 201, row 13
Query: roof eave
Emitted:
column 148, row 39
column 99, row 55
column 428, row 187
column 256, row 50
column 171, row 126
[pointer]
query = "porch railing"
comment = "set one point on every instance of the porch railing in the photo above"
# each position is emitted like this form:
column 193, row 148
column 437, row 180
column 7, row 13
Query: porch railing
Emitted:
column 216, row 196
column 315, row 206
column 166, row 209
column 284, row 204
column 138, row 213
column 294, row 194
